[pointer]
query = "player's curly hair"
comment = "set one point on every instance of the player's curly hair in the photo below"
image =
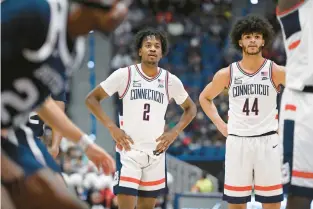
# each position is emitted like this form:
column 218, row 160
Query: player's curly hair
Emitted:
column 142, row 34
column 251, row 24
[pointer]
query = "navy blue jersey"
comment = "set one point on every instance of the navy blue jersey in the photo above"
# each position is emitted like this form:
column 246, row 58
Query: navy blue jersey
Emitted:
column 36, row 124
column 36, row 55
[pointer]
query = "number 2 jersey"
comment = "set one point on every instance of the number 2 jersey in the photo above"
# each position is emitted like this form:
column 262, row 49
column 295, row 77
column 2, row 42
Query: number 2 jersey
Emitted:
column 144, row 102
column 252, row 101
column 36, row 55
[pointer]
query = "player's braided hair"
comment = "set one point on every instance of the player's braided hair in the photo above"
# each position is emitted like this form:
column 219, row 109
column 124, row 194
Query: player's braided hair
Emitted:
column 142, row 34
column 251, row 24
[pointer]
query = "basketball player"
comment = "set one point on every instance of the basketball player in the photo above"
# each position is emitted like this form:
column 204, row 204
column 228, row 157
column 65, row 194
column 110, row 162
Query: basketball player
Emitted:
column 253, row 155
column 37, row 49
column 295, row 17
column 145, row 90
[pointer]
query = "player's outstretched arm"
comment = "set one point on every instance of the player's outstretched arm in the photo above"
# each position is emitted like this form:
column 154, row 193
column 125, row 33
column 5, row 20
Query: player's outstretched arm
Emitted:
column 92, row 101
column 52, row 115
column 279, row 74
column 213, row 89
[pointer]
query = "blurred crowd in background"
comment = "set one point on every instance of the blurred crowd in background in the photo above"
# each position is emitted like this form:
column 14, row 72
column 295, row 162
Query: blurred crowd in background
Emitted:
column 199, row 46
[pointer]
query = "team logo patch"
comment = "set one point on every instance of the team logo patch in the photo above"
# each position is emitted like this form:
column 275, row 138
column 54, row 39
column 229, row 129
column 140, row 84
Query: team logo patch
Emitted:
column 238, row 80
column 136, row 84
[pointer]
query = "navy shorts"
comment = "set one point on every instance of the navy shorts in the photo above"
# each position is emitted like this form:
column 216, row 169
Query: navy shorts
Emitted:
column 28, row 152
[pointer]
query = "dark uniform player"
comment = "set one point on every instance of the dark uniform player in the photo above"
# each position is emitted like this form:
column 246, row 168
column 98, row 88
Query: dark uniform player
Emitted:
column 37, row 47
column 41, row 156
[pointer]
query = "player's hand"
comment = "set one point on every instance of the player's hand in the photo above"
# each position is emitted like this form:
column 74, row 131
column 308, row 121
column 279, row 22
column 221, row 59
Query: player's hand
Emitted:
column 165, row 141
column 121, row 138
column 223, row 129
column 54, row 151
column 101, row 159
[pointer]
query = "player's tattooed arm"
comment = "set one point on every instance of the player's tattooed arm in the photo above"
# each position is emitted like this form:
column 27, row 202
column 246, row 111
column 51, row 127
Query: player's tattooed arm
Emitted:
column 164, row 141
column 92, row 101
column 278, row 74
column 220, row 81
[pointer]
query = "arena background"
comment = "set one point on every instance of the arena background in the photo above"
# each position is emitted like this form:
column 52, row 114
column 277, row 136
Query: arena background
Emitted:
column 199, row 45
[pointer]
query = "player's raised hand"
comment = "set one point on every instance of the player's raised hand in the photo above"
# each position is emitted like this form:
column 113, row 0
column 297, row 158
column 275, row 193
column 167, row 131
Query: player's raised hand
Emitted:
column 101, row 159
column 121, row 138
column 165, row 141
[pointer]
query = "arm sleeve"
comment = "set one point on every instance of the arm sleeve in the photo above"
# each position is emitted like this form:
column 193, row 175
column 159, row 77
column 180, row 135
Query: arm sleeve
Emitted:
column 176, row 89
column 116, row 82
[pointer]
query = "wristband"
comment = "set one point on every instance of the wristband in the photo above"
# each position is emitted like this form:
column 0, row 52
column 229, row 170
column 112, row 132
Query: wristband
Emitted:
column 84, row 142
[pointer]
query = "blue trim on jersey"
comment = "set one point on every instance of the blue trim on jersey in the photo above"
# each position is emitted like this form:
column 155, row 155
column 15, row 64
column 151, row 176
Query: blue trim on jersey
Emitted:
column 166, row 186
column 288, row 134
column 271, row 199
column 288, row 143
column 118, row 169
column 237, row 200
column 291, row 23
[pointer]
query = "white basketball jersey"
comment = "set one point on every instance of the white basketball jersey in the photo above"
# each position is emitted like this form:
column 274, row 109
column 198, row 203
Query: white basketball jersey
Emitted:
column 252, row 101
column 145, row 102
column 297, row 26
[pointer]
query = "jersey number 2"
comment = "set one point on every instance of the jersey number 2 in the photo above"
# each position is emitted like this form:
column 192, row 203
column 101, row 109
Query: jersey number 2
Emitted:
column 255, row 107
column 146, row 111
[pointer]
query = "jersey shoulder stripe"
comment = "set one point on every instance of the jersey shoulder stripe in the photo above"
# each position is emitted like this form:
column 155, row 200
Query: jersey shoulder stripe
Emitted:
column 128, row 83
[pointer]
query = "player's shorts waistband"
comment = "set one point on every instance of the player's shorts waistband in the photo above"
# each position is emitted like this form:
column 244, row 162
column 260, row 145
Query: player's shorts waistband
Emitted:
column 265, row 134
column 308, row 89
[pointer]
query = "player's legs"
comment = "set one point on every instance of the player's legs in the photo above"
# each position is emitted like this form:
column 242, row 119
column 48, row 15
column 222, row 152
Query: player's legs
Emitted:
column 126, row 201
column 238, row 172
column 127, row 178
column 40, row 188
column 296, row 133
column 267, row 171
column 153, row 181
column 146, row 203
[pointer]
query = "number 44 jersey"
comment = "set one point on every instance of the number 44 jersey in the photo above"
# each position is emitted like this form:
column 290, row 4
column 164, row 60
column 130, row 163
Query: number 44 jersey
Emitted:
column 252, row 101
column 35, row 55
column 144, row 102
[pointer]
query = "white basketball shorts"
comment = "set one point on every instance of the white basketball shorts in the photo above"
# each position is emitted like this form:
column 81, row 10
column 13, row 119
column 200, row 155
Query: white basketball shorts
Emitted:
column 253, row 163
column 296, row 132
column 139, row 174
